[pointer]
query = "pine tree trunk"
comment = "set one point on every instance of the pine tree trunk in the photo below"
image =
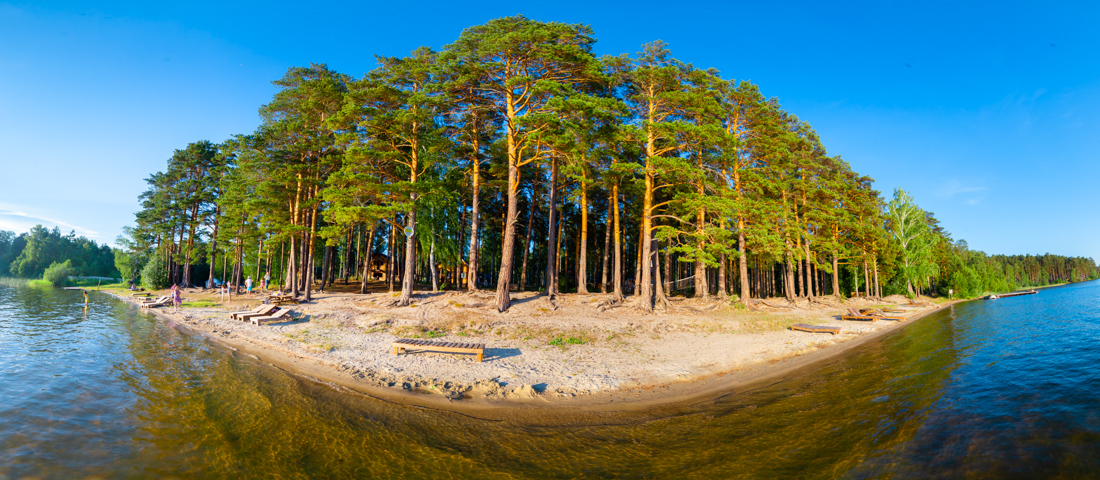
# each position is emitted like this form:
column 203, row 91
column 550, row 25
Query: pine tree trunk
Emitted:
column 582, row 247
column 667, row 278
column 617, row 273
column 646, row 244
column 836, row 275
column 410, row 257
column 366, row 259
column 475, row 217
column 810, row 293
column 325, row 267
column 391, row 264
column 312, row 249
column 527, row 241
column 702, row 290
column 214, row 244
column 552, row 232
column 606, row 249
column 878, row 288
column 742, row 260
column 432, row 267
column 508, row 250
column 722, row 293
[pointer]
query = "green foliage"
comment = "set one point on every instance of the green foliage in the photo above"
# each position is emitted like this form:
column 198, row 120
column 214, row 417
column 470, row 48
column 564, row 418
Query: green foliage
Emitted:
column 58, row 273
column 124, row 263
column 13, row 282
column 155, row 274
column 199, row 304
column 561, row 342
column 41, row 247
column 515, row 141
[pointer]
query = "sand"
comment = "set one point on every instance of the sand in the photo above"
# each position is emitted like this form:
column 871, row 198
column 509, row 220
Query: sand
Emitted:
column 570, row 354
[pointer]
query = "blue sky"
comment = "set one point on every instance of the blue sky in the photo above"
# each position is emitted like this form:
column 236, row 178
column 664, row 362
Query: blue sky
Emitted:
column 988, row 113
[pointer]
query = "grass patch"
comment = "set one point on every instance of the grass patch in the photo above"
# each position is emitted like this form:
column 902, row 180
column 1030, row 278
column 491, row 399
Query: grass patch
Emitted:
column 39, row 283
column 561, row 342
column 13, row 282
column 199, row 304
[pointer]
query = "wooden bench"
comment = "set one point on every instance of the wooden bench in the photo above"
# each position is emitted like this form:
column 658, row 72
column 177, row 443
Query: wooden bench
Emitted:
column 815, row 328
column 402, row 344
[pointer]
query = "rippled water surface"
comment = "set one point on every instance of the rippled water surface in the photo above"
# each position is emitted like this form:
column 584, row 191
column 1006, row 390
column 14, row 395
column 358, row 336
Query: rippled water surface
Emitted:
column 1004, row 388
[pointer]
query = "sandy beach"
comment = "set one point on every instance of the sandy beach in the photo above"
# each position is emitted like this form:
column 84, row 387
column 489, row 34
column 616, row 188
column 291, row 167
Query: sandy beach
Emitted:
column 566, row 356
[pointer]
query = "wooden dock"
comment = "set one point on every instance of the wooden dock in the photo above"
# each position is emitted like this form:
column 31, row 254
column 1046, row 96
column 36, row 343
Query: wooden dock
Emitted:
column 1012, row 294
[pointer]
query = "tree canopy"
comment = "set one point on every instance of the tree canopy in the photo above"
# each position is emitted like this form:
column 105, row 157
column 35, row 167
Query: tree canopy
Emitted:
column 634, row 174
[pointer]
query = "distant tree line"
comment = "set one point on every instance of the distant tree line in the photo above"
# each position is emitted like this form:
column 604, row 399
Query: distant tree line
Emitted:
column 30, row 254
column 514, row 159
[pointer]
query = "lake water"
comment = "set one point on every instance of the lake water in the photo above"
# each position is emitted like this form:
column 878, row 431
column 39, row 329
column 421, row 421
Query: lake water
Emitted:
column 1003, row 388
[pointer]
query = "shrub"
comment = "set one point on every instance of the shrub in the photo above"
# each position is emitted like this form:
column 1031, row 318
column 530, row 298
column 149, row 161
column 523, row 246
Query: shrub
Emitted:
column 58, row 273
column 154, row 276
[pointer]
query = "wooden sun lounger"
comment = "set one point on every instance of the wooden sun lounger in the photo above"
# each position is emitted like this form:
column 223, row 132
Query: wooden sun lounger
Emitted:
column 919, row 304
column 402, row 344
column 874, row 312
column 263, row 313
column 159, row 302
column 142, row 294
column 277, row 317
column 854, row 315
column 815, row 328
column 260, row 310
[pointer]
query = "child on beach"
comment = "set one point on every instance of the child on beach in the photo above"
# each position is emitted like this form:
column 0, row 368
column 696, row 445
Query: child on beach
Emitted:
column 177, row 299
column 248, row 285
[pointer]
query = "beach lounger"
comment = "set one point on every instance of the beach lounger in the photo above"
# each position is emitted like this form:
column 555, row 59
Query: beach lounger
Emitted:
column 874, row 312
column 260, row 309
column 815, row 328
column 855, row 315
column 401, row 345
column 160, row 301
column 918, row 304
column 270, row 310
column 279, row 316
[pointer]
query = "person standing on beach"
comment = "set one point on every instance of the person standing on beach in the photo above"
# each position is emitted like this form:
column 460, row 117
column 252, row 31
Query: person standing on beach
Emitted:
column 267, row 280
column 248, row 285
column 177, row 298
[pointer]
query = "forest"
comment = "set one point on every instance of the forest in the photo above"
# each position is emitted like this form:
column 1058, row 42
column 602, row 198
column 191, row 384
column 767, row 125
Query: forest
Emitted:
column 29, row 254
column 516, row 159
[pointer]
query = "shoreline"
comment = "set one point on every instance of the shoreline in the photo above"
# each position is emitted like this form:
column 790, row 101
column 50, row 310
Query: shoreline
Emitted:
column 450, row 388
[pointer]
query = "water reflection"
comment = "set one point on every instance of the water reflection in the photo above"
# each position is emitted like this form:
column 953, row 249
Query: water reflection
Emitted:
column 987, row 389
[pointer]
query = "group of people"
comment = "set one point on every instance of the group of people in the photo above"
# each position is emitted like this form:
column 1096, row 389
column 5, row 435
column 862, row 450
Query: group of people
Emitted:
column 227, row 292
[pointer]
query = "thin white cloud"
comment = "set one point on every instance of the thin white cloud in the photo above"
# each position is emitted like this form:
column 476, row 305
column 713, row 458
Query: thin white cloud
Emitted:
column 973, row 193
column 19, row 222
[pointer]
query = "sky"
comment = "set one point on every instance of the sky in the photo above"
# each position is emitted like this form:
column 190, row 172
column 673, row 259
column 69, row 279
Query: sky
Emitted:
column 988, row 113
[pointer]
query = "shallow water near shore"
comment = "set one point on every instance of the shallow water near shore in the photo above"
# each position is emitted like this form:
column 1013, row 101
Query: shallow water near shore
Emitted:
column 1003, row 388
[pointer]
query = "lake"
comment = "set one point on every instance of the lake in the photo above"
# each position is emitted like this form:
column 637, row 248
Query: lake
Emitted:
column 1001, row 388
